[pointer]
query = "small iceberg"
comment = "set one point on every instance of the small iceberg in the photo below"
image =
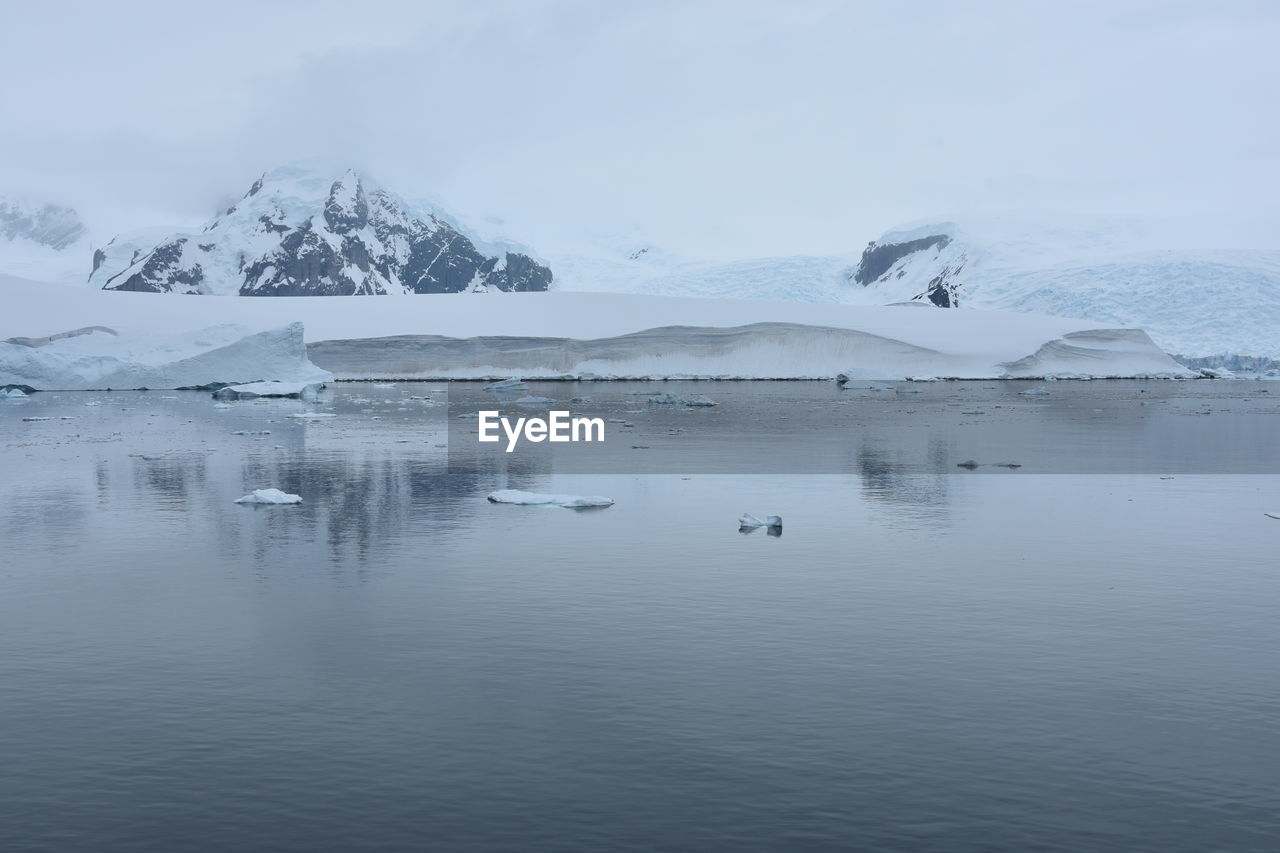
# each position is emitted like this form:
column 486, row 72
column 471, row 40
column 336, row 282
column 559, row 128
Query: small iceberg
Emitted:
column 534, row 401
column 700, row 401
column 515, row 496
column 12, row 393
column 269, row 496
column 1275, row 515
column 1035, row 392
column 748, row 523
column 252, row 390
column 666, row 399
column 313, row 416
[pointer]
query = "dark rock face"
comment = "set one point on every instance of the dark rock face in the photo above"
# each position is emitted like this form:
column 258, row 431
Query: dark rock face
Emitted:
column 943, row 287
column 877, row 258
column 161, row 272
column 50, row 225
column 360, row 241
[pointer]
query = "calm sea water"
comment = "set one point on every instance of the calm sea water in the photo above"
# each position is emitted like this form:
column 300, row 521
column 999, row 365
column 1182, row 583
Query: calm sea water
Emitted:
column 926, row 659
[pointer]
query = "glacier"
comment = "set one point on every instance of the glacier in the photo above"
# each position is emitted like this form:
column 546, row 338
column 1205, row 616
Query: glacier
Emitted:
column 559, row 335
column 101, row 358
column 1194, row 301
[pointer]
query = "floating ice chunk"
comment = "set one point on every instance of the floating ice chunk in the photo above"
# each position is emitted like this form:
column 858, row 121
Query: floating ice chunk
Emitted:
column 534, row 401
column 749, row 520
column 515, row 496
column 37, row 419
column 385, row 385
column 512, row 384
column 666, row 399
column 252, row 432
column 699, row 401
column 269, row 496
column 581, row 401
column 314, row 416
column 1035, row 392
column 294, row 390
column 223, row 406
column 13, row 393
column 1275, row 515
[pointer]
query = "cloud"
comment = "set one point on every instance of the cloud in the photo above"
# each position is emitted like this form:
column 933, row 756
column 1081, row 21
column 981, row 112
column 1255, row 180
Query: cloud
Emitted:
column 713, row 127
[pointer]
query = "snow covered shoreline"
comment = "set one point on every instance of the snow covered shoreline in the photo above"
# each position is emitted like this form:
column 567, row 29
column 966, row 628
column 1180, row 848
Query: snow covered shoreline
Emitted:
column 543, row 336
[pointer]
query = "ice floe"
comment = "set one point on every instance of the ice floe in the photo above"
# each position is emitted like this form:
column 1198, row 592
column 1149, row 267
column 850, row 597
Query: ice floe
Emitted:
column 269, row 496
column 515, row 496
column 252, row 390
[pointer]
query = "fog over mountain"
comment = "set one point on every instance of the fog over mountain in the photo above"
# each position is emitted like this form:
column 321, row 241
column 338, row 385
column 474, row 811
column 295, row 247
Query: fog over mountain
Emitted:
column 712, row 129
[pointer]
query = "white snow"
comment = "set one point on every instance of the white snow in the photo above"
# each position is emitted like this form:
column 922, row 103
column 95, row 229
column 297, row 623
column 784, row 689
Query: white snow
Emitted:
column 43, row 242
column 1101, row 352
column 134, row 356
column 515, row 496
column 1193, row 300
column 269, row 496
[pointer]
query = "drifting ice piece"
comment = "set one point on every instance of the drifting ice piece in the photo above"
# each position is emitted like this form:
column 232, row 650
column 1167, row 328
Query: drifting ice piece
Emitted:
column 269, row 496
column 1275, row 515
column 534, row 401
column 749, row 520
column 515, row 496
column 295, row 390
column 700, row 401
column 13, row 393
column 666, row 399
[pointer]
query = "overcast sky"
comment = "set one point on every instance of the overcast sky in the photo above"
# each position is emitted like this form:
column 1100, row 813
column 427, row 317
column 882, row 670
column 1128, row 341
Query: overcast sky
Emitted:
column 735, row 128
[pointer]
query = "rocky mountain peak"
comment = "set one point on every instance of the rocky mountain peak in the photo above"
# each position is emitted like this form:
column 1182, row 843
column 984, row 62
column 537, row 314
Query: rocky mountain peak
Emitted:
column 347, row 208
column 297, row 233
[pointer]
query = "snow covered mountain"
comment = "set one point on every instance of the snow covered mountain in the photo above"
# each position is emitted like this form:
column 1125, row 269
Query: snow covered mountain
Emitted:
column 1193, row 302
column 42, row 241
column 297, row 233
